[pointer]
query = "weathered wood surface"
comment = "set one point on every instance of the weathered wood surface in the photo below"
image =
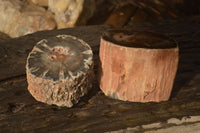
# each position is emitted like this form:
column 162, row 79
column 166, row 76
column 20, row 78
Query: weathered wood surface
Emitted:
column 19, row 112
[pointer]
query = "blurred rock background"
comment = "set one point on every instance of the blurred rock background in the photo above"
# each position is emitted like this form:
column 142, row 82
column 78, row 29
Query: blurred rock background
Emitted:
column 21, row 17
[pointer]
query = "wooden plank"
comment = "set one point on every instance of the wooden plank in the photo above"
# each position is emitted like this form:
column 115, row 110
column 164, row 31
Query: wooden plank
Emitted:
column 19, row 112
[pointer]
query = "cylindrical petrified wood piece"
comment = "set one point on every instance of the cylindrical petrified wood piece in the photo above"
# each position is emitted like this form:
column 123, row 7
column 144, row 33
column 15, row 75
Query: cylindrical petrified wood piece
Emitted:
column 137, row 66
column 60, row 70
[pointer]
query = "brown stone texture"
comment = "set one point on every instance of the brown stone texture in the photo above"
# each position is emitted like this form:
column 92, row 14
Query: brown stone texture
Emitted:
column 60, row 70
column 18, row 18
column 69, row 13
column 40, row 2
column 139, row 67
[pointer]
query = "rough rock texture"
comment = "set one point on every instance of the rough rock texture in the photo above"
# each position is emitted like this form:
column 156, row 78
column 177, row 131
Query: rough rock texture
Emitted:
column 69, row 13
column 18, row 18
column 60, row 70
column 137, row 66
column 40, row 2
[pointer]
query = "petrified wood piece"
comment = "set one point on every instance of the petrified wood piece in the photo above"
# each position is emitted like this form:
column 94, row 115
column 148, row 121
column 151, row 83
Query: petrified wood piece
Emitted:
column 59, row 70
column 137, row 66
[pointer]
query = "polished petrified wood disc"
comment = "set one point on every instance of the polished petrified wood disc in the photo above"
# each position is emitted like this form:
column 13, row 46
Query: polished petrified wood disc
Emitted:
column 137, row 66
column 60, row 70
